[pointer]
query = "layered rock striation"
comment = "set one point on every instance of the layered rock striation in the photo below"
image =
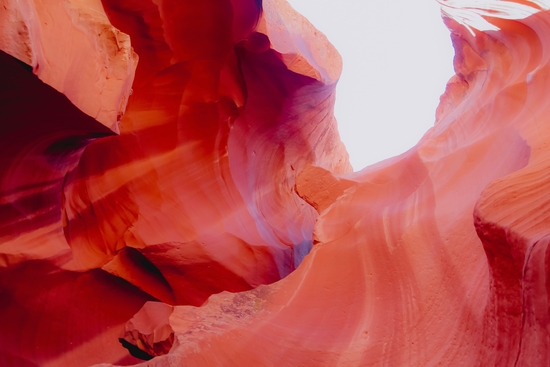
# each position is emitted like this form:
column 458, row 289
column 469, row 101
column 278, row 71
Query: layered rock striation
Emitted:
column 201, row 207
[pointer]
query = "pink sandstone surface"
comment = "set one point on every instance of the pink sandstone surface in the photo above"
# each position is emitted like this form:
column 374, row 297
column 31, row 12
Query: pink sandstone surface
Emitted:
column 198, row 203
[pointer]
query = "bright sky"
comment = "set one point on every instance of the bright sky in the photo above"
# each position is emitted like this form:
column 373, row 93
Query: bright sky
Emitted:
column 397, row 59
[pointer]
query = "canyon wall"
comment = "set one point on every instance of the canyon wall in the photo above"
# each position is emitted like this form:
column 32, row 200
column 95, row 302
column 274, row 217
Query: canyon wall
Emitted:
column 173, row 189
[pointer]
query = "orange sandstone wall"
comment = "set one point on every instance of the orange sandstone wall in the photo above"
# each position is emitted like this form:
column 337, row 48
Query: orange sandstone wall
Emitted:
column 181, row 221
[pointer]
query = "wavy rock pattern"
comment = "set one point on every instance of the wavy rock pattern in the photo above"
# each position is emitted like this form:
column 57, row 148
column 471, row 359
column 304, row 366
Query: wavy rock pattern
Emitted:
column 187, row 234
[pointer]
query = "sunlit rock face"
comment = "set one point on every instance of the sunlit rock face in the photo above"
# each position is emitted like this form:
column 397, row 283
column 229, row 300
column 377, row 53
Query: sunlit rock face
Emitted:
column 72, row 46
column 179, row 221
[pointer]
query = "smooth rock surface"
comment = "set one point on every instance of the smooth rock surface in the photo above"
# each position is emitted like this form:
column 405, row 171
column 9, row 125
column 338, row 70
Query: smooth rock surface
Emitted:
column 187, row 235
column 72, row 47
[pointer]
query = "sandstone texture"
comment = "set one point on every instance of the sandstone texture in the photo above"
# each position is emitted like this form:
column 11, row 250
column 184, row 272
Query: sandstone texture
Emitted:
column 197, row 207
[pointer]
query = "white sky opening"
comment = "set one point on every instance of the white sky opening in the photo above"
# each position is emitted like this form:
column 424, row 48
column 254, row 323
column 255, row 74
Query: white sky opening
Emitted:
column 397, row 58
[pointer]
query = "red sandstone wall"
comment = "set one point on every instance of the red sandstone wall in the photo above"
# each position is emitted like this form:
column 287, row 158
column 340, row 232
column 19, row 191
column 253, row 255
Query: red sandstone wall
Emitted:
column 183, row 233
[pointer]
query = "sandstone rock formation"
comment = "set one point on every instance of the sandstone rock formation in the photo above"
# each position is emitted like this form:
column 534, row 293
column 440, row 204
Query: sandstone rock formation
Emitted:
column 187, row 234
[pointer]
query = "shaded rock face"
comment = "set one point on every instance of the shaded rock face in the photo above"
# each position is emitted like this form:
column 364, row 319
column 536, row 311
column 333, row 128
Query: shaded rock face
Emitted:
column 212, row 219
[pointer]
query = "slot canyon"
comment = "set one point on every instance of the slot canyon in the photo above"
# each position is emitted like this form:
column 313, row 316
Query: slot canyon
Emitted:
column 174, row 192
